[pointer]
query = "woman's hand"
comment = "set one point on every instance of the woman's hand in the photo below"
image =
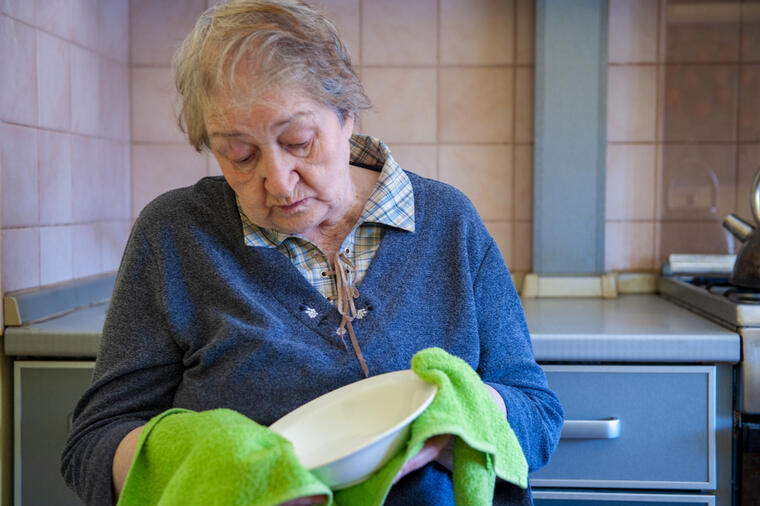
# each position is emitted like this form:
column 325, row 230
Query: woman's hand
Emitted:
column 497, row 398
column 306, row 500
column 433, row 448
column 439, row 448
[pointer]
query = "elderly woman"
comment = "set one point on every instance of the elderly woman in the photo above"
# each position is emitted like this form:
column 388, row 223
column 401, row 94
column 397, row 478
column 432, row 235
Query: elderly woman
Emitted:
column 313, row 262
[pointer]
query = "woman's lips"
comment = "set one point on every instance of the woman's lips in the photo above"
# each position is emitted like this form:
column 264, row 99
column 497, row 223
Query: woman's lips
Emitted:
column 292, row 208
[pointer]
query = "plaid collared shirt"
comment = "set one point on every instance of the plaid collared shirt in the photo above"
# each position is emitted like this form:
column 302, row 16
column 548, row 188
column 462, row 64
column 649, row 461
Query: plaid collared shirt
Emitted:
column 391, row 204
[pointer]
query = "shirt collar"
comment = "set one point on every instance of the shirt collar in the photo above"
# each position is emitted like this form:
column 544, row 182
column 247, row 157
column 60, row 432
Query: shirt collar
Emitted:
column 391, row 202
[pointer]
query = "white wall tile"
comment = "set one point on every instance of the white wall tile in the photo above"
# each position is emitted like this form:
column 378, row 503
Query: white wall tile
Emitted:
column 404, row 104
column 422, row 159
column 526, row 28
column 477, row 32
column 85, row 91
column 85, row 241
column 54, row 153
column 483, row 173
column 159, row 26
column 115, row 180
column 476, row 104
column 114, row 100
column 631, row 103
column 523, row 182
column 86, row 163
column 18, row 149
column 23, row 10
column 84, row 23
column 54, row 85
column 633, row 31
column 154, row 106
column 21, row 258
column 522, row 247
column 630, row 182
column 157, row 168
column 629, row 246
column 113, row 29
column 55, row 16
column 18, row 72
column 56, row 261
column 345, row 16
column 399, row 32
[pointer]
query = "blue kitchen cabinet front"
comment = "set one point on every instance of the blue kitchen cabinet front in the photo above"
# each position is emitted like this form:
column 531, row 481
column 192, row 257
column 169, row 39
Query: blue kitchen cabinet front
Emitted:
column 640, row 435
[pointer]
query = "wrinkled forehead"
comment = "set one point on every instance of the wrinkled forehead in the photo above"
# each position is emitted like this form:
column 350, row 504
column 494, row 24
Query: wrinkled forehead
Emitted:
column 264, row 112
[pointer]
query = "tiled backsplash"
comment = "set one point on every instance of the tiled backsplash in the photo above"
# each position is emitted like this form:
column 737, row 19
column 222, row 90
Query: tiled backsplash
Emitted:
column 452, row 87
column 683, row 134
column 64, row 138
column 451, row 83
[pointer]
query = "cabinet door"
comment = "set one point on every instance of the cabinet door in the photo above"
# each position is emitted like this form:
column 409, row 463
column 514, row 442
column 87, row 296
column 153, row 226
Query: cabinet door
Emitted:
column 634, row 427
column 570, row 498
column 45, row 396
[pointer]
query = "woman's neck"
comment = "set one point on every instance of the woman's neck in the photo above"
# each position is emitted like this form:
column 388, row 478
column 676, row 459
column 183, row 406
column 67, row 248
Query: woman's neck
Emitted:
column 329, row 237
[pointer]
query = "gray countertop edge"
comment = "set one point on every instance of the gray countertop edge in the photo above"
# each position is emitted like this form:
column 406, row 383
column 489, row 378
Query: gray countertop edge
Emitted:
column 641, row 328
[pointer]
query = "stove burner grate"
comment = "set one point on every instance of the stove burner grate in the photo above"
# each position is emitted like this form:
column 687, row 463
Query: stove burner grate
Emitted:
column 722, row 286
column 741, row 296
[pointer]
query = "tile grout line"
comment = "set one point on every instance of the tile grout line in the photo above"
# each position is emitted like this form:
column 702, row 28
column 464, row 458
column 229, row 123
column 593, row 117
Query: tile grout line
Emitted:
column 658, row 118
column 438, row 90
column 513, row 207
column 737, row 108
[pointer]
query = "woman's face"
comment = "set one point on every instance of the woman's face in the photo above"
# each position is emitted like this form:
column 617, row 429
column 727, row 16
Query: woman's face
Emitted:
column 287, row 158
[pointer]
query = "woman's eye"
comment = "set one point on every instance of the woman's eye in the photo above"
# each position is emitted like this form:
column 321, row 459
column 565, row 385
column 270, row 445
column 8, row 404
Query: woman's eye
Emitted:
column 245, row 164
column 301, row 148
column 243, row 160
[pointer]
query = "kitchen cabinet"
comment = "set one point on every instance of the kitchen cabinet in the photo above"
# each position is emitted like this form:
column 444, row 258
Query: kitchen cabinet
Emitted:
column 45, row 395
column 636, row 427
column 647, row 392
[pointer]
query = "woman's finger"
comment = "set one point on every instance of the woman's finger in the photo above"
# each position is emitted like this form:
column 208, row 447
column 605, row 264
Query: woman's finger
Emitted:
column 429, row 452
column 306, row 500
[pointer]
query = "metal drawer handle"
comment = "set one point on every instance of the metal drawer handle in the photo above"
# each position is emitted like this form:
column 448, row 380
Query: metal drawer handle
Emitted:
column 607, row 428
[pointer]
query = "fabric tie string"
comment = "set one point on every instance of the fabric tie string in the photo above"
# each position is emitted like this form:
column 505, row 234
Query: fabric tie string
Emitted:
column 345, row 277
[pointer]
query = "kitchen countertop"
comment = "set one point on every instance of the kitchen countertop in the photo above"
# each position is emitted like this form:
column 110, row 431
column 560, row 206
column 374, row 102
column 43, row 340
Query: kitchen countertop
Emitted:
column 74, row 334
column 630, row 328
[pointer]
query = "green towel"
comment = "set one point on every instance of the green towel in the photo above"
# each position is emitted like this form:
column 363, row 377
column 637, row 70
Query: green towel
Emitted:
column 485, row 446
column 216, row 457
column 221, row 457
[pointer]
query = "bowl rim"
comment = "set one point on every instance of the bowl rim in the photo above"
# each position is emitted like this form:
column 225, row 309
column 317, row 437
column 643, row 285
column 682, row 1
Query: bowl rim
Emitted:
column 431, row 388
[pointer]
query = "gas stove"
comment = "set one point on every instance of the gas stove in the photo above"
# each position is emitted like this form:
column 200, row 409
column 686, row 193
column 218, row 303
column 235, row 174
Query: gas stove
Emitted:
column 715, row 298
column 732, row 307
column 738, row 309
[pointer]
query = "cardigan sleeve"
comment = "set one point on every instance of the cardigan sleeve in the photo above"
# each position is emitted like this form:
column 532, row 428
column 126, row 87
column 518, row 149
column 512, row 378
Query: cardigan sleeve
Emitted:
column 136, row 374
column 507, row 362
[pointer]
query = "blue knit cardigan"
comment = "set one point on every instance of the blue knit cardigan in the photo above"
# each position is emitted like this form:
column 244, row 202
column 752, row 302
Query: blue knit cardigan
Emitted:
column 199, row 320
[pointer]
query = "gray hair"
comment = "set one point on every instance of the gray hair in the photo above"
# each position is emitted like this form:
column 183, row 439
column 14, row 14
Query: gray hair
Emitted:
column 286, row 43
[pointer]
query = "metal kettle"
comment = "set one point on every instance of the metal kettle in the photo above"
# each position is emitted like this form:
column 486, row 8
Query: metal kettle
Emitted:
column 746, row 271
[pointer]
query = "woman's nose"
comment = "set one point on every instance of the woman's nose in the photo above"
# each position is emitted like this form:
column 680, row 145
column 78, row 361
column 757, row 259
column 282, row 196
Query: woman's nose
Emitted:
column 279, row 174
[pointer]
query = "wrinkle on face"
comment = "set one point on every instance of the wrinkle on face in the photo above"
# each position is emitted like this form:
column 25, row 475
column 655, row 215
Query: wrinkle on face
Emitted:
column 287, row 158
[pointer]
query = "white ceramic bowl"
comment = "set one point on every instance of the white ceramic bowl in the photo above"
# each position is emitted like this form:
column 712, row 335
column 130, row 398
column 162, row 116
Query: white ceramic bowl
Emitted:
column 347, row 434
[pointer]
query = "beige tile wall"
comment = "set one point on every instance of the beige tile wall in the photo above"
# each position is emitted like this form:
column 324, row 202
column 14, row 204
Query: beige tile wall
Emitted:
column 451, row 83
column 161, row 156
column 452, row 87
column 64, row 139
column 683, row 134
